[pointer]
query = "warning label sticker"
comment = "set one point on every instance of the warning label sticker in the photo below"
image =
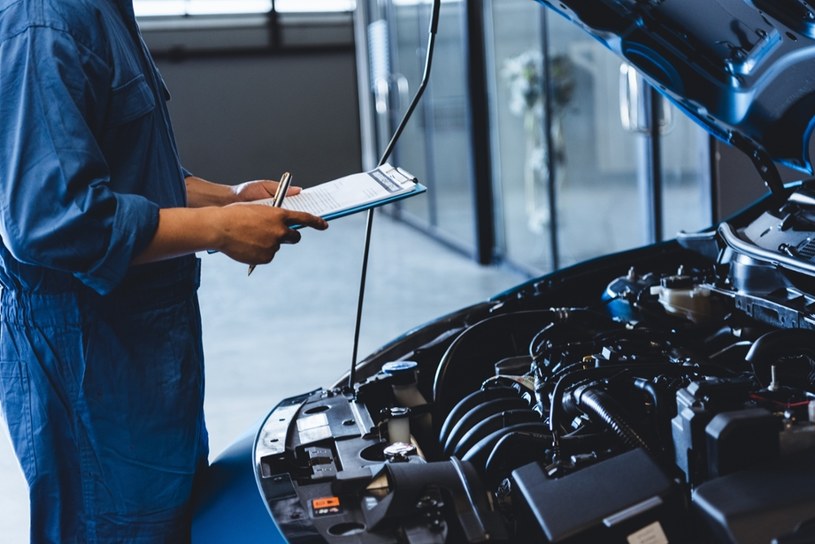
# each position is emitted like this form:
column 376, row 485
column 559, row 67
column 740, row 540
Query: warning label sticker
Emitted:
column 651, row 534
column 326, row 506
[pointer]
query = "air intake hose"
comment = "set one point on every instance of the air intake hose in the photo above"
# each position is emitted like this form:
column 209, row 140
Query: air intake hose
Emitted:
column 602, row 408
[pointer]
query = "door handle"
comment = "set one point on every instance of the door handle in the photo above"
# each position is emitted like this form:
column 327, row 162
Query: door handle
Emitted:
column 635, row 103
column 403, row 88
column 382, row 92
column 380, row 66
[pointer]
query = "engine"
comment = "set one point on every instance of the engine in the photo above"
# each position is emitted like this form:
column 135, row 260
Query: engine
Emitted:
column 642, row 418
column 661, row 395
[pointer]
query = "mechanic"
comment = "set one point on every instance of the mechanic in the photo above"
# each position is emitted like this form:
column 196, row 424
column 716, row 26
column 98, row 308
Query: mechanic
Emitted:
column 101, row 367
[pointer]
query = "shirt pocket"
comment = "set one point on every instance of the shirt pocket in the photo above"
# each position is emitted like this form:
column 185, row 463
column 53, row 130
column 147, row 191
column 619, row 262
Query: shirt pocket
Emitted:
column 130, row 101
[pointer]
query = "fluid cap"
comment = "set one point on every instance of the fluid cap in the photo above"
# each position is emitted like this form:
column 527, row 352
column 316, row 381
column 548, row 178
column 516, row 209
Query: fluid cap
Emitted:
column 395, row 367
column 403, row 372
column 399, row 452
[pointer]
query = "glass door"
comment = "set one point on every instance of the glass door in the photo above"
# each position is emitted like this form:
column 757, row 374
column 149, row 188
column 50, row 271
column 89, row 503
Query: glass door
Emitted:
column 586, row 162
column 435, row 144
column 519, row 146
column 686, row 178
column 571, row 156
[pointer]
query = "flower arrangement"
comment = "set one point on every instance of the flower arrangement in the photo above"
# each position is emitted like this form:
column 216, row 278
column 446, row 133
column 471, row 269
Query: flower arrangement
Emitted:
column 524, row 77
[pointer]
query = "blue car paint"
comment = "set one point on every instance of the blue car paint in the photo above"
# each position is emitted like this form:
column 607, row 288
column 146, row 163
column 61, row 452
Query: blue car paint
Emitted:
column 228, row 504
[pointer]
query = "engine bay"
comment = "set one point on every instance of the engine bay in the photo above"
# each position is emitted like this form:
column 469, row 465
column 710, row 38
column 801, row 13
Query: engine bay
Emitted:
column 665, row 394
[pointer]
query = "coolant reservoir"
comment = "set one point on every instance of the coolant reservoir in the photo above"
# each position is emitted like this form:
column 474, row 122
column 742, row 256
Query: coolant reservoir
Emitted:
column 404, row 377
column 399, row 425
column 680, row 296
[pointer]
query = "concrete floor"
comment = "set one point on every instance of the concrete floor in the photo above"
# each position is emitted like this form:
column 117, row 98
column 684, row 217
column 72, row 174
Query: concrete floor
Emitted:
column 289, row 327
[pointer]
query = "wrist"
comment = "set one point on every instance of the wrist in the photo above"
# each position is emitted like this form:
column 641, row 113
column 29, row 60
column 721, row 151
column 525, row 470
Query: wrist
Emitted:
column 215, row 227
column 182, row 231
column 202, row 193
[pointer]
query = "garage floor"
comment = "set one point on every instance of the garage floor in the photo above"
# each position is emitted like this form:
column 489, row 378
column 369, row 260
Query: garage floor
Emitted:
column 289, row 327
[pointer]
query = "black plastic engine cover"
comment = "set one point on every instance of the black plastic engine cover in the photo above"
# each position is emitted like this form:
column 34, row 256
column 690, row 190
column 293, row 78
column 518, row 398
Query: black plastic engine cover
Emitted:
column 625, row 499
column 759, row 505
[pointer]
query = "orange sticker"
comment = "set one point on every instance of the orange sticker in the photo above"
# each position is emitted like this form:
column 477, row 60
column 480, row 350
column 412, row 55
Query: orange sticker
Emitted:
column 325, row 502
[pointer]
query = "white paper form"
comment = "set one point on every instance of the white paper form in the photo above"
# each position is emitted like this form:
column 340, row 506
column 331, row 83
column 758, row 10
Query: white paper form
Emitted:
column 357, row 192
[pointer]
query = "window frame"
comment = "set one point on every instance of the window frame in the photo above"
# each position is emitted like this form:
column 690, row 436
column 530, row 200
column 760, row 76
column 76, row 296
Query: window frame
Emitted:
column 149, row 9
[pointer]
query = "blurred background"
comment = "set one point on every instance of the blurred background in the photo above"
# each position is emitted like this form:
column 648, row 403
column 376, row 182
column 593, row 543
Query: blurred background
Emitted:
column 538, row 147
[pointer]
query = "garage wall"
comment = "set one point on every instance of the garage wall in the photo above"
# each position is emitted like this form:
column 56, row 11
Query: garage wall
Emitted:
column 248, row 102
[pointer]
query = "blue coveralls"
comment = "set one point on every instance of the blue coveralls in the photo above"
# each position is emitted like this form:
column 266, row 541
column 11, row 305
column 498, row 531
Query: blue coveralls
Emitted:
column 101, row 367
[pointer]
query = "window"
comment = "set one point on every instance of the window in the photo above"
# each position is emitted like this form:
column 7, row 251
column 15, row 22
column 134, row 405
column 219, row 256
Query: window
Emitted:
column 290, row 6
column 157, row 8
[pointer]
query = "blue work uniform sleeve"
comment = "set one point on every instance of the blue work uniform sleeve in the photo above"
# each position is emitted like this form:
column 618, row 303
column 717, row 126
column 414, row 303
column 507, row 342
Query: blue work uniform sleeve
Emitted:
column 58, row 209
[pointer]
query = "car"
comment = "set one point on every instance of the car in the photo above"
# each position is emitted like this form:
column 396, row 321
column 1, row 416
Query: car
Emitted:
column 662, row 394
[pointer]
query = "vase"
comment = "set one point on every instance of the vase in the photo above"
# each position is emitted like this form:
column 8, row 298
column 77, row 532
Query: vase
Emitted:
column 536, row 174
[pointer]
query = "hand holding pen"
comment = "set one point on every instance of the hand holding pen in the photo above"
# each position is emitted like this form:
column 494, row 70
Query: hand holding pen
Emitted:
column 280, row 194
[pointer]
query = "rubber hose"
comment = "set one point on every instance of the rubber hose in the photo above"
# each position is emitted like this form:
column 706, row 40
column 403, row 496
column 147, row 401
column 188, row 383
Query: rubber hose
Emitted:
column 480, row 452
column 477, row 415
column 491, row 424
column 659, row 398
column 775, row 345
column 598, row 403
column 473, row 400
column 512, row 451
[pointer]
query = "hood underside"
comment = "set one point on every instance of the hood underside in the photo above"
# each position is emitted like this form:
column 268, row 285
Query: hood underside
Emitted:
column 743, row 69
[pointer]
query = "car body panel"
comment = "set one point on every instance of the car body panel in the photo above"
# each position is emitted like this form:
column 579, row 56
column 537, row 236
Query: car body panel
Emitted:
column 228, row 506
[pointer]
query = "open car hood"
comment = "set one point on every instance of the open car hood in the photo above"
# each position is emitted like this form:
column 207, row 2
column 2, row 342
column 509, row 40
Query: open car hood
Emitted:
column 743, row 69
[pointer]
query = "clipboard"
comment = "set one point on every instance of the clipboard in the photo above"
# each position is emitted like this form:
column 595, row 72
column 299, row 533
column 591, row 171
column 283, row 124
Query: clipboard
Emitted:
column 355, row 193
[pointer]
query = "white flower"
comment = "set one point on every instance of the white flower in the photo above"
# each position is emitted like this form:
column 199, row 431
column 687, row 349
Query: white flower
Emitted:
column 524, row 77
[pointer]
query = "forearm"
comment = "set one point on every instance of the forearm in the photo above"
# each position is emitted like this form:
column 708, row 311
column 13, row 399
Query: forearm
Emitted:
column 181, row 231
column 247, row 233
column 201, row 192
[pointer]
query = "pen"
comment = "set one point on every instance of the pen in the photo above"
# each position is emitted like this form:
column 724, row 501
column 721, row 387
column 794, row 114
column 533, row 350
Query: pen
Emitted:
column 280, row 194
